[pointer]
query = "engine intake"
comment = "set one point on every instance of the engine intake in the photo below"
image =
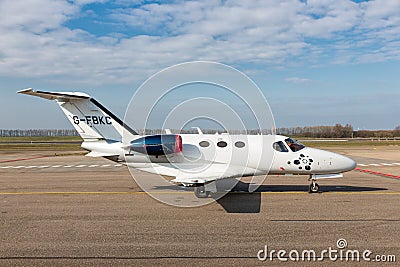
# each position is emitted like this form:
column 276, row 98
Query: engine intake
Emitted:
column 158, row 145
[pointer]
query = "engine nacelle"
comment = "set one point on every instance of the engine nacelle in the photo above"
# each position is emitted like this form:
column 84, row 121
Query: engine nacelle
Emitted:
column 157, row 145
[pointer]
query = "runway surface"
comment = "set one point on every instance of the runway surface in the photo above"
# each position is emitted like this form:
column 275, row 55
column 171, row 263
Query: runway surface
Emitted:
column 74, row 210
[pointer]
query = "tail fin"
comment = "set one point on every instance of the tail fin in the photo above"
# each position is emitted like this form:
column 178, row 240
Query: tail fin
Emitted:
column 91, row 119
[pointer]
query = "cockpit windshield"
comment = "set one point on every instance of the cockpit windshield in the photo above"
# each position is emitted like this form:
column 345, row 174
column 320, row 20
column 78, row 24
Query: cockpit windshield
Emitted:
column 280, row 146
column 294, row 145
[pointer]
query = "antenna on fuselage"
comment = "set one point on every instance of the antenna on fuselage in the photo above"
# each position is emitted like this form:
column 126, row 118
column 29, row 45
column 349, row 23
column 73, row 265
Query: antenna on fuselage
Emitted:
column 198, row 130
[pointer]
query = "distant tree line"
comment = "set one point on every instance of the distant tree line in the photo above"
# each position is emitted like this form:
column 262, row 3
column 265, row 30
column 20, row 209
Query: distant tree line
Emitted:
column 377, row 134
column 38, row 132
column 206, row 131
column 336, row 131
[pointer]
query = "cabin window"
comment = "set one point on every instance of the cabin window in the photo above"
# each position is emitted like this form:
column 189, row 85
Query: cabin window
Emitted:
column 204, row 144
column 280, row 146
column 240, row 144
column 294, row 145
column 222, row 144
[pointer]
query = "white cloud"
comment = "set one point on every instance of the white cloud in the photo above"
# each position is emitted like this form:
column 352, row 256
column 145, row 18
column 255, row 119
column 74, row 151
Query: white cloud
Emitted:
column 36, row 42
column 33, row 15
column 298, row 80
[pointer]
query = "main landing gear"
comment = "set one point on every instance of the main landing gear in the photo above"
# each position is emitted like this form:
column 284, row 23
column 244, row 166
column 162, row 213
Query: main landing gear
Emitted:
column 314, row 187
column 201, row 192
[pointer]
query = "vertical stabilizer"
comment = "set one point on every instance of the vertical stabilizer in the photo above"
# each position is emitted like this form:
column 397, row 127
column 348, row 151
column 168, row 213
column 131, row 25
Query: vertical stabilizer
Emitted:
column 91, row 119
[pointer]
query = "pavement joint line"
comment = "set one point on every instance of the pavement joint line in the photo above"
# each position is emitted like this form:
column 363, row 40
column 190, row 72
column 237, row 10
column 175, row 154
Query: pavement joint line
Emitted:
column 19, row 159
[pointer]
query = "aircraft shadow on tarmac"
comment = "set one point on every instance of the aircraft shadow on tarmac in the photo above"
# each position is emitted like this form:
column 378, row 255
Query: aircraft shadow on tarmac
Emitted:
column 241, row 201
column 251, row 202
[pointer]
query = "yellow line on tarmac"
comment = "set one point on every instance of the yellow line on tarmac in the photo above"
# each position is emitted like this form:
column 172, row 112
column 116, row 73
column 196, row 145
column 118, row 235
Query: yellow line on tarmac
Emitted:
column 68, row 193
column 332, row 193
column 363, row 193
column 187, row 192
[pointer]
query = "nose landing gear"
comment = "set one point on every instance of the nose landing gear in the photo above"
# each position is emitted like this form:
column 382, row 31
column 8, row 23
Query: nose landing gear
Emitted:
column 314, row 187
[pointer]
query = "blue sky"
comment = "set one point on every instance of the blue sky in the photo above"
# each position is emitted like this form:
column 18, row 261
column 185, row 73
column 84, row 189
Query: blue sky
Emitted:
column 317, row 62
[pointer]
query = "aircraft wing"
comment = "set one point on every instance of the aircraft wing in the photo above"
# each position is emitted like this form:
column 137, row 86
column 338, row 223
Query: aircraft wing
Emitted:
column 211, row 176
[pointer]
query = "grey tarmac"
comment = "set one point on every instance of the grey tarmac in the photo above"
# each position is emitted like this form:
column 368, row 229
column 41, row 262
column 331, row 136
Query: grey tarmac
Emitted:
column 96, row 215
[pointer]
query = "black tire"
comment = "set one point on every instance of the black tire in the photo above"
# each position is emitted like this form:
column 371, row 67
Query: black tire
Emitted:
column 314, row 188
column 201, row 192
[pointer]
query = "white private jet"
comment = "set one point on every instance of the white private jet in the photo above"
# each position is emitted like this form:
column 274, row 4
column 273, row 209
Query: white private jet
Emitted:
column 170, row 154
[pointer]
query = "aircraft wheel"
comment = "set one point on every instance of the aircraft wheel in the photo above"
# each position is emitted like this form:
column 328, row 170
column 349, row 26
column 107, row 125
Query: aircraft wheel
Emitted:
column 201, row 192
column 314, row 188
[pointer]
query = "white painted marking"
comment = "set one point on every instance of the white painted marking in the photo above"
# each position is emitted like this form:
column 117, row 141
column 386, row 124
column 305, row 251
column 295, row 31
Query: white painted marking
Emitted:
column 387, row 164
column 60, row 166
column 396, row 163
column 364, row 165
column 374, row 164
column 17, row 167
column 80, row 166
column 94, row 165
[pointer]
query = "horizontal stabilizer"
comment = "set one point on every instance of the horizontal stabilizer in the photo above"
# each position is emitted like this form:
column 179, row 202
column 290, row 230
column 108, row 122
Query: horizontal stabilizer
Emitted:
column 55, row 95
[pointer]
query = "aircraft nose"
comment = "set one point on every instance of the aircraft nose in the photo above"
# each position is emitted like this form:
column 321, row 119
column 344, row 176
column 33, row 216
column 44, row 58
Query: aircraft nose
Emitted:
column 347, row 163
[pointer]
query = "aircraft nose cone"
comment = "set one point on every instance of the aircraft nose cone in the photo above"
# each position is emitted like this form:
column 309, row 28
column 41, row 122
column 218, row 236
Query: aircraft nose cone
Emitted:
column 347, row 163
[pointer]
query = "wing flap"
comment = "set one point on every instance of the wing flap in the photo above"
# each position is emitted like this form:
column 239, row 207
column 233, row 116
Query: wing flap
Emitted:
column 192, row 181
